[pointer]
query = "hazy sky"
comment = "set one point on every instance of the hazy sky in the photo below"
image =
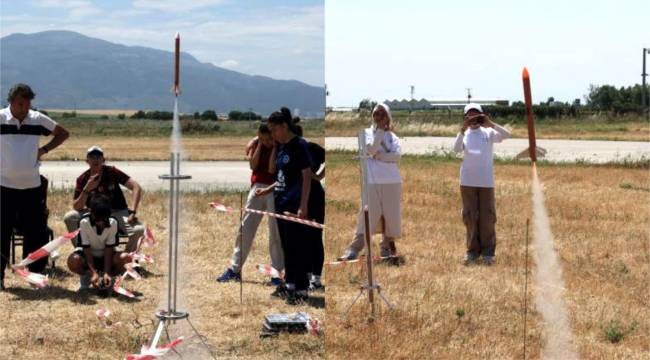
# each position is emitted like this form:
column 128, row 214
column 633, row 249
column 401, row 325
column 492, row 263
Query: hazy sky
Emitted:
column 377, row 48
column 280, row 39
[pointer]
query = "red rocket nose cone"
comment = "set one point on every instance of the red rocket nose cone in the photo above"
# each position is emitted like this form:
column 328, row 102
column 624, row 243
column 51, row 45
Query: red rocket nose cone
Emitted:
column 525, row 73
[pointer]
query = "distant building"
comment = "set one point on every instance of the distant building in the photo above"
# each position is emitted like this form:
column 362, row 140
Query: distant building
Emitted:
column 424, row 104
column 341, row 109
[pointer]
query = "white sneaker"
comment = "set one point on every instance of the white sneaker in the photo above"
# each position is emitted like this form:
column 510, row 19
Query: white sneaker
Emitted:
column 469, row 259
column 348, row 255
column 55, row 255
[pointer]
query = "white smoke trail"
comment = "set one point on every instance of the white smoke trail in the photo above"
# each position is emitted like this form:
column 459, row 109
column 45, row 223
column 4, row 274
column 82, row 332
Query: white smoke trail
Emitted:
column 176, row 144
column 550, row 284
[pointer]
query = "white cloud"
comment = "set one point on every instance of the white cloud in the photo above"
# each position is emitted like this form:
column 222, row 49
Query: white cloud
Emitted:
column 174, row 5
column 229, row 64
column 75, row 8
column 278, row 41
column 63, row 3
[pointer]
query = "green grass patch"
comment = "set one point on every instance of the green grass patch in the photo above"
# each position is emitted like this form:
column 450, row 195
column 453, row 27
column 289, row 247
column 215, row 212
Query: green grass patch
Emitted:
column 103, row 125
column 343, row 157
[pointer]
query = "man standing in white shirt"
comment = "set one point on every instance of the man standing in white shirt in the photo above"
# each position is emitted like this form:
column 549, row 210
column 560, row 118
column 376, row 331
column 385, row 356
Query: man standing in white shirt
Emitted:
column 20, row 193
column 475, row 139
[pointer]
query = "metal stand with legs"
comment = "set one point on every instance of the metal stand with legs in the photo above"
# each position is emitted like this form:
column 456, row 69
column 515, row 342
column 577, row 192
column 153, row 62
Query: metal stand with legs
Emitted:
column 171, row 314
column 371, row 286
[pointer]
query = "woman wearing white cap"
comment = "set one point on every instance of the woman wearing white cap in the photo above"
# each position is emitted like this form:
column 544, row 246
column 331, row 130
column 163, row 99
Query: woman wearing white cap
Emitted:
column 384, row 186
column 475, row 140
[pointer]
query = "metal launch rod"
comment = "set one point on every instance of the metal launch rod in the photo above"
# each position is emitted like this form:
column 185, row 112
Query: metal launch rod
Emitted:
column 371, row 286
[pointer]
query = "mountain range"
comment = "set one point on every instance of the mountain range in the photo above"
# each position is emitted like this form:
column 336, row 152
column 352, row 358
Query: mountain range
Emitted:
column 69, row 70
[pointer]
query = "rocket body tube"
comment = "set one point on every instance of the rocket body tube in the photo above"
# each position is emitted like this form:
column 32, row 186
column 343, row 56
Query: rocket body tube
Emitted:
column 532, row 146
column 177, row 55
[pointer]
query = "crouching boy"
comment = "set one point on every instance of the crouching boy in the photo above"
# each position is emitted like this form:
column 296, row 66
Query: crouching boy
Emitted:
column 95, row 258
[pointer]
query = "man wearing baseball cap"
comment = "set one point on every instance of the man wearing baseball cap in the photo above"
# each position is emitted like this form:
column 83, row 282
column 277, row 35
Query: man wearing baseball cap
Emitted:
column 104, row 179
column 475, row 139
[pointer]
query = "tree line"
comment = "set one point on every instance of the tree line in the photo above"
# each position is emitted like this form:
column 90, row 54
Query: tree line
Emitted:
column 601, row 98
column 234, row 115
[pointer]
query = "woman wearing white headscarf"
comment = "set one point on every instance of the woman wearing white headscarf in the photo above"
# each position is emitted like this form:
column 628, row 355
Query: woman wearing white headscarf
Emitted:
column 384, row 186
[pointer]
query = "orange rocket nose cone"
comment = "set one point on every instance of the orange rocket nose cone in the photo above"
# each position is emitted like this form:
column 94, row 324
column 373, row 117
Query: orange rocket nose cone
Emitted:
column 525, row 73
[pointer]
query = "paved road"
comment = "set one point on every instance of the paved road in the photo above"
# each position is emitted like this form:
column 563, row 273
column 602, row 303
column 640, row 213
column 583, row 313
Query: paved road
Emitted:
column 558, row 150
column 216, row 175
column 205, row 174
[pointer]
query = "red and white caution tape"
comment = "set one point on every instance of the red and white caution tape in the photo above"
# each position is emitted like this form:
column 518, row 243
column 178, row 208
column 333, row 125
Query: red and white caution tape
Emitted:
column 135, row 256
column 138, row 245
column 228, row 209
column 374, row 258
column 130, row 270
column 148, row 236
column 139, row 257
column 314, row 327
column 287, row 217
column 38, row 280
column 220, row 207
column 269, row 270
column 343, row 262
column 147, row 353
column 102, row 316
column 117, row 287
column 47, row 249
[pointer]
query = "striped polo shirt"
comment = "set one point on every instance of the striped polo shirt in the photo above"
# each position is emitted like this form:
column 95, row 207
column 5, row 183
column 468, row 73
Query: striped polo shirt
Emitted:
column 19, row 148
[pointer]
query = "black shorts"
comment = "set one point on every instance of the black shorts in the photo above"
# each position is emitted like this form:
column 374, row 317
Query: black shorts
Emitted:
column 98, row 261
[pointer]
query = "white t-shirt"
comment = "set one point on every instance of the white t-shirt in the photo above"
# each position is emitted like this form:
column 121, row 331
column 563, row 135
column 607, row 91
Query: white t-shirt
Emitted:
column 19, row 148
column 383, row 172
column 476, row 144
column 97, row 242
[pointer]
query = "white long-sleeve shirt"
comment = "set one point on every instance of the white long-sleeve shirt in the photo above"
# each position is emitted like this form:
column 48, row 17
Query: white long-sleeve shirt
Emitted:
column 385, row 148
column 477, row 147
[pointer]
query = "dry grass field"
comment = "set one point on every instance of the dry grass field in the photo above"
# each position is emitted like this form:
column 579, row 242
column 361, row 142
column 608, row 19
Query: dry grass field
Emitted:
column 59, row 323
column 155, row 148
column 109, row 112
column 445, row 310
column 421, row 124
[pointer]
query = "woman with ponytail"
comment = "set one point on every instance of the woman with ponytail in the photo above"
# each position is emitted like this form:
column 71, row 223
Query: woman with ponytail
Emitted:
column 291, row 165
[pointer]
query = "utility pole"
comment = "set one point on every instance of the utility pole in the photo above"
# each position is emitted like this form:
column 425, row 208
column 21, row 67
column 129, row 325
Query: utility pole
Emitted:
column 644, row 91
